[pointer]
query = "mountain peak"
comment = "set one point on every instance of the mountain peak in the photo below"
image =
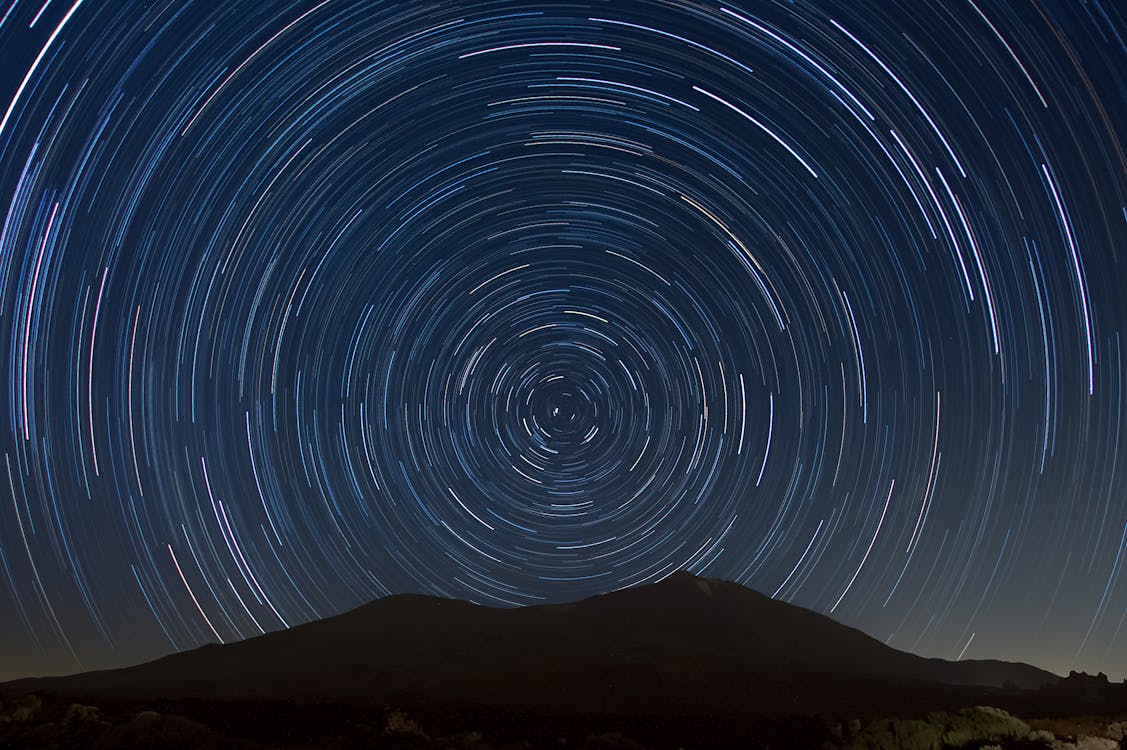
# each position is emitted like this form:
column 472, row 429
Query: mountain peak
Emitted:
column 687, row 579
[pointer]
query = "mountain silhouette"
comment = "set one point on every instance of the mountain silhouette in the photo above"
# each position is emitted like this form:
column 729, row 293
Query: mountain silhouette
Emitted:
column 684, row 646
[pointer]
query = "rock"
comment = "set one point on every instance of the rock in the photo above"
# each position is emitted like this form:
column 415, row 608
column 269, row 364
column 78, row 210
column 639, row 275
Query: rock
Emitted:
column 1084, row 742
column 1096, row 743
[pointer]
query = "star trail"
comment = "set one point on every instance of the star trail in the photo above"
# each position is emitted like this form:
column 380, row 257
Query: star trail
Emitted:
column 305, row 303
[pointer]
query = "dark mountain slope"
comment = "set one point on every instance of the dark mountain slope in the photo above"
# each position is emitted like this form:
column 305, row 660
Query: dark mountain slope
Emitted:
column 685, row 646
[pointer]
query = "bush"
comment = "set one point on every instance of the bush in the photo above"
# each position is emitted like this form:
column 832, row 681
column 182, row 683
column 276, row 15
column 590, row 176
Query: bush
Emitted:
column 149, row 729
column 400, row 723
column 980, row 723
column 968, row 727
column 22, row 709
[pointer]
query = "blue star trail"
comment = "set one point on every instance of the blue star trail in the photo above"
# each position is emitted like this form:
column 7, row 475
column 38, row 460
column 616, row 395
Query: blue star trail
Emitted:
column 305, row 303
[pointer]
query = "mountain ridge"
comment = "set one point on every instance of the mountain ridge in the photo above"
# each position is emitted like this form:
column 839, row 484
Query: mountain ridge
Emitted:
column 686, row 644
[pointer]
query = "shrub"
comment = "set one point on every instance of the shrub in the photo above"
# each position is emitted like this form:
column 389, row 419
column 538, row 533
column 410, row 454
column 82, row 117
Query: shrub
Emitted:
column 400, row 723
column 22, row 709
column 968, row 727
column 149, row 729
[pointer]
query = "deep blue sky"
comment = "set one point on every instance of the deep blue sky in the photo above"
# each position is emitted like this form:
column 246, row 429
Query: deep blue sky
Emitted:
column 306, row 303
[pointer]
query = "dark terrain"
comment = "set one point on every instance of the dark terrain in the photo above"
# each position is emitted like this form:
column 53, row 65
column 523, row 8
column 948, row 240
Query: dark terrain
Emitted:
column 688, row 662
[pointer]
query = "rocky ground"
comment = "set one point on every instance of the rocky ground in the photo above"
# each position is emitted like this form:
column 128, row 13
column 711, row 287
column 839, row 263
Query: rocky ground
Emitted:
column 38, row 721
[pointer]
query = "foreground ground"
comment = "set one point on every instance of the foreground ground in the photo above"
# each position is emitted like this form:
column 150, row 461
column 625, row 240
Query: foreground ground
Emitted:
column 44, row 721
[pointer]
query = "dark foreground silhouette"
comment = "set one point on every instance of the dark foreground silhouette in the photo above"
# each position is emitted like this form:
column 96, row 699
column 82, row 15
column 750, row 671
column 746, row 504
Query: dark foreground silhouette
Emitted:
column 688, row 662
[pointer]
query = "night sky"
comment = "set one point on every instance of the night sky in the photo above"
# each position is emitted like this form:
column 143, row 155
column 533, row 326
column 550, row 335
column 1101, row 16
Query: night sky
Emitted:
column 303, row 304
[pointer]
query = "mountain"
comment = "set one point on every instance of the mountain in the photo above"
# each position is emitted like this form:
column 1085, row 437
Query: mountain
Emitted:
column 685, row 646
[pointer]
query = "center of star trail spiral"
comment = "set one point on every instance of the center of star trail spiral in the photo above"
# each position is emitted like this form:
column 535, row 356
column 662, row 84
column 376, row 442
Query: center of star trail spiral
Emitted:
column 566, row 391
column 310, row 302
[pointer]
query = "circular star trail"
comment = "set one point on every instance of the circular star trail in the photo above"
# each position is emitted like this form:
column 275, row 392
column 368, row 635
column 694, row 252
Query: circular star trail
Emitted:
column 308, row 303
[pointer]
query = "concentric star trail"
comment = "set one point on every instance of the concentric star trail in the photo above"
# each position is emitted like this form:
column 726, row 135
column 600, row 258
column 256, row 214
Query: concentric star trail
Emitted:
column 306, row 303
